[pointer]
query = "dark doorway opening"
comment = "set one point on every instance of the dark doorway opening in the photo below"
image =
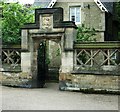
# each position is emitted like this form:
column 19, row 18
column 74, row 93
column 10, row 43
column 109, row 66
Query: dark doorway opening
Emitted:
column 41, row 64
column 48, row 62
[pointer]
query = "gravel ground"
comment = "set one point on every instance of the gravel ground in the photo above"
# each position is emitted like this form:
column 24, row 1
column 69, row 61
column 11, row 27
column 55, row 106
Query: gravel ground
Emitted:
column 50, row 98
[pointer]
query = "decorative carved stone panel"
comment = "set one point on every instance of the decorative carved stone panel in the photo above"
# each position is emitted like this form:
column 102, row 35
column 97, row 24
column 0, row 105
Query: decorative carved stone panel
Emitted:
column 46, row 21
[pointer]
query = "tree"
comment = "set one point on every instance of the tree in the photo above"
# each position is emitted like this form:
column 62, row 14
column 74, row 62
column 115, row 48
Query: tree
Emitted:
column 14, row 17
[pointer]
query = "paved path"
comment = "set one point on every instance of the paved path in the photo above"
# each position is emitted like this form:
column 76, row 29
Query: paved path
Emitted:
column 50, row 98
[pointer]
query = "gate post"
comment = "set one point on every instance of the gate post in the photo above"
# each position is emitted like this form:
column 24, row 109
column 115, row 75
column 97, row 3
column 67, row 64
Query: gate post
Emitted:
column 67, row 56
column 25, row 54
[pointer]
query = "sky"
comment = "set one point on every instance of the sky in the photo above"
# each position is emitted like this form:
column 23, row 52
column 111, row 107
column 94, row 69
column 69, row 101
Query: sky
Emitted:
column 26, row 1
column 22, row 1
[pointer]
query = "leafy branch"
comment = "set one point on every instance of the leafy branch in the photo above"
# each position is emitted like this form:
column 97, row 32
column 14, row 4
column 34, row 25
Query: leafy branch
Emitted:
column 14, row 17
column 85, row 34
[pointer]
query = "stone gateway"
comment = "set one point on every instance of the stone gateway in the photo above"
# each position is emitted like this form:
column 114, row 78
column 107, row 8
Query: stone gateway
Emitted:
column 49, row 25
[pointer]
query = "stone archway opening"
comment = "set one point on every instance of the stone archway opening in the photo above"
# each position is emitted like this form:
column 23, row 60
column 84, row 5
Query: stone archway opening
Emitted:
column 53, row 60
column 49, row 55
column 46, row 58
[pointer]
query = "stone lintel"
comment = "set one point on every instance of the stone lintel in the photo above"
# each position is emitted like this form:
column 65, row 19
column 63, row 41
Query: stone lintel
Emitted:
column 49, row 35
column 54, row 30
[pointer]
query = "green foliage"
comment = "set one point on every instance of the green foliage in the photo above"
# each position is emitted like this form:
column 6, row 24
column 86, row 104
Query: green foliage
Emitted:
column 118, row 10
column 118, row 16
column 119, row 35
column 14, row 17
column 85, row 34
column 58, row 52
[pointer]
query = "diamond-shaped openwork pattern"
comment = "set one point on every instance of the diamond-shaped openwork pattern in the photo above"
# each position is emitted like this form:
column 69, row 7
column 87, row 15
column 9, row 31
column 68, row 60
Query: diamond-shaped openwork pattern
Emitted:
column 97, row 57
column 11, row 56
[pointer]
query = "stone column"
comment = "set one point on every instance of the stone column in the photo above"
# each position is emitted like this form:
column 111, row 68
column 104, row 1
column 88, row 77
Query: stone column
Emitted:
column 67, row 60
column 24, row 41
column 67, row 54
column 25, row 55
column 26, row 62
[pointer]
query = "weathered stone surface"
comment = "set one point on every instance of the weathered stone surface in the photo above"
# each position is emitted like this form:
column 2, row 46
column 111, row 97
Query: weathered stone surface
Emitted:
column 89, row 82
column 0, row 77
column 26, row 62
column 15, row 79
column 67, row 81
column 24, row 42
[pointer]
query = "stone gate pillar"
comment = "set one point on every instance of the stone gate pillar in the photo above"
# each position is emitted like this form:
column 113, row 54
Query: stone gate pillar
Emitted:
column 25, row 54
column 67, row 57
column 67, row 54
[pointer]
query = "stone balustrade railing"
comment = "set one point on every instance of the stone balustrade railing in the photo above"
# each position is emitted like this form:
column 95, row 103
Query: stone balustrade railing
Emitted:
column 97, row 56
column 11, row 57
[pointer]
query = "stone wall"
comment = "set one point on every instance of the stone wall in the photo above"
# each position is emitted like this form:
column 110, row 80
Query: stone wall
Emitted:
column 67, row 81
column 19, row 79
column 90, row 82
column 0, row 77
